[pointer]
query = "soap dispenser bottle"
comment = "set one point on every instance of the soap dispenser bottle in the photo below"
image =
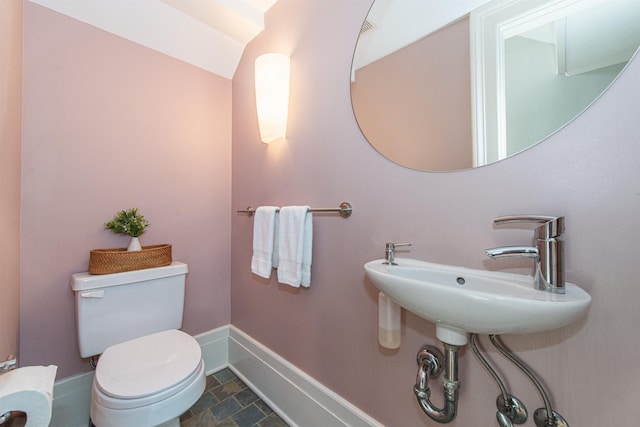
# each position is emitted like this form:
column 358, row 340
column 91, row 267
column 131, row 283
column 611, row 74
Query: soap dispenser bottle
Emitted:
column 388, row 322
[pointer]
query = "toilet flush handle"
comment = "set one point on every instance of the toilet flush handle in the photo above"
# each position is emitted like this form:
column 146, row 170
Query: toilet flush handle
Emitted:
column 93, row 294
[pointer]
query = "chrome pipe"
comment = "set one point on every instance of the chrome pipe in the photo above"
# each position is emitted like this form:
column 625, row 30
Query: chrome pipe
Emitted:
column 510, row 409
column 524, row 369
column 488, row 368
column 450, row 382
column 544, row 417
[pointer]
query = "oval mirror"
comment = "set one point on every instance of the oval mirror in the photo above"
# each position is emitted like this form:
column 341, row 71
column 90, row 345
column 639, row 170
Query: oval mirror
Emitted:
column 439, row 85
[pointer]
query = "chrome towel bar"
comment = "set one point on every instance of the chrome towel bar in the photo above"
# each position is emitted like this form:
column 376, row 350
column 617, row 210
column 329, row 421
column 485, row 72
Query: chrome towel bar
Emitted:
column 344, row 210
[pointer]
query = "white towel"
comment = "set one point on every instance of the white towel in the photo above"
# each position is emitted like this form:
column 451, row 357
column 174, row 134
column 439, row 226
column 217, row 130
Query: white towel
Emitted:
column 295, row 241
column 265, row 224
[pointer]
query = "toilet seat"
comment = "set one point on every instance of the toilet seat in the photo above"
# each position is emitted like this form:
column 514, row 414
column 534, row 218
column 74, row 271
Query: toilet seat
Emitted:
column 148, row 369
column 107, row 411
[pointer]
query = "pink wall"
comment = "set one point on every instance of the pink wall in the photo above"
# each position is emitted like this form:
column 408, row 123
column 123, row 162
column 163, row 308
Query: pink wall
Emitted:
column 415, row 104
column 110, row 125
column 588, row 172
column 10, row 135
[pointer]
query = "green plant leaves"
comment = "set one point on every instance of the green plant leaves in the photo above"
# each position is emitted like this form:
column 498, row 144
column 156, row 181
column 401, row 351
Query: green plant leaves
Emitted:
column 128, row 222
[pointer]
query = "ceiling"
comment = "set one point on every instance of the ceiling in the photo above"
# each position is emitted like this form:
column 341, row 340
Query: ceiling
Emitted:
column 395, row 24
column 210, row 34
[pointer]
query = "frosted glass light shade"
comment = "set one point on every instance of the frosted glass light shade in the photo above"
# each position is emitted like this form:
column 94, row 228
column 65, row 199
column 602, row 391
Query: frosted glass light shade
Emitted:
column 272, row 95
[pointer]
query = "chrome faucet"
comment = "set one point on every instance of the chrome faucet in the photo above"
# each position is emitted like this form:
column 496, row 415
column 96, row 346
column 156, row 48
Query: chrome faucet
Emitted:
column 548, row 250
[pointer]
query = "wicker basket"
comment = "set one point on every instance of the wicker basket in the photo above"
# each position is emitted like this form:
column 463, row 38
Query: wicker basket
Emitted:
column 118, row 260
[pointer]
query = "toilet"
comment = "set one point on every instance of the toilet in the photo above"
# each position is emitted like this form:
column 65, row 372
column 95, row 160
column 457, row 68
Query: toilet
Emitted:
column 149, row 372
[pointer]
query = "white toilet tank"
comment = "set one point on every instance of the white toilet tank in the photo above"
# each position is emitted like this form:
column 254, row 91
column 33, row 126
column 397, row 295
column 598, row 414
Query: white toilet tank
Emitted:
column 113, row 308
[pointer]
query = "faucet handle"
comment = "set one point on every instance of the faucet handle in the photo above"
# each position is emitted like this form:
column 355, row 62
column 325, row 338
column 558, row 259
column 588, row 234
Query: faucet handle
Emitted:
column 390, row 252
column 551, row 226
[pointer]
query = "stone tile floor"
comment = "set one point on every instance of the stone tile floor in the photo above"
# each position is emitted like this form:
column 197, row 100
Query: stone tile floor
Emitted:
column 228, row 402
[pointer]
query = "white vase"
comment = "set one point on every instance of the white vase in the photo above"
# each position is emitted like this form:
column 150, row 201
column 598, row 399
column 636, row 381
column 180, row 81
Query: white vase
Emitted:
column 134, row 245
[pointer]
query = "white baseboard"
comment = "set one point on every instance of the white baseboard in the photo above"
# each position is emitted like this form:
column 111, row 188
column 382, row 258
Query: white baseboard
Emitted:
column 71, row 399
column 215, row 348
column 298, row 398
column 295, row 396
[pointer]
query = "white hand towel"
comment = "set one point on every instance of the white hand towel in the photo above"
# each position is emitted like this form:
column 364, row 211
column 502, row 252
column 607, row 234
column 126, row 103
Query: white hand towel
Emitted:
column 295, row 242
column 264, row 238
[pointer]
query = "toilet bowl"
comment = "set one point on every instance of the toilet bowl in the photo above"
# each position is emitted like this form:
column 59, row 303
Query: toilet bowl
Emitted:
column 147, row 381
column 149, row 373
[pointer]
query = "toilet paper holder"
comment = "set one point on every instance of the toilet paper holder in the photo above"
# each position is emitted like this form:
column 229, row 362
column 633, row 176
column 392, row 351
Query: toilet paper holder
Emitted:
column 9, row 364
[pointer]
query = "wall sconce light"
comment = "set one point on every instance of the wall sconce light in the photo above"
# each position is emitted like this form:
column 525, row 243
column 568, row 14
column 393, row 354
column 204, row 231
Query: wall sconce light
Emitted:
column 272, row 95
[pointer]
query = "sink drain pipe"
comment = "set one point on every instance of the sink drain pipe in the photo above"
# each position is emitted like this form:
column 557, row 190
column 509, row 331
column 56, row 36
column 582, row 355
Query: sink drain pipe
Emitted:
column 430, row 362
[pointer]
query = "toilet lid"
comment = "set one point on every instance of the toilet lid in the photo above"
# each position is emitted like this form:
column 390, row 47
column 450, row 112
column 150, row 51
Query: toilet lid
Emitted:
column 147, row 365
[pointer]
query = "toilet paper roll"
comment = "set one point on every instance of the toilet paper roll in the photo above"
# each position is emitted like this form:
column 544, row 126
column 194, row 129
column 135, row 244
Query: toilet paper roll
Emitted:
column 29, row 390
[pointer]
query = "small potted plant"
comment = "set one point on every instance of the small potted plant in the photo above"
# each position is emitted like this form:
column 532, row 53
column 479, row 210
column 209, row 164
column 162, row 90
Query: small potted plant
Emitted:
column 129, row 222
column 135, row 257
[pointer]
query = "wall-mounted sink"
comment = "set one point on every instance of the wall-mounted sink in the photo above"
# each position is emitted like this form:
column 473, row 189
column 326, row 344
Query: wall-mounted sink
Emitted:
column 461, row 300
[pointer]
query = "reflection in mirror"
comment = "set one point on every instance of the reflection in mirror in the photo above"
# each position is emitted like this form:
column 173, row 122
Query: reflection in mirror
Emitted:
column 425, row 96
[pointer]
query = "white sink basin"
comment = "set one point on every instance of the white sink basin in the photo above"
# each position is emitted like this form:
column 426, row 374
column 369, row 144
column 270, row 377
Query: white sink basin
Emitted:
column 462, row 300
